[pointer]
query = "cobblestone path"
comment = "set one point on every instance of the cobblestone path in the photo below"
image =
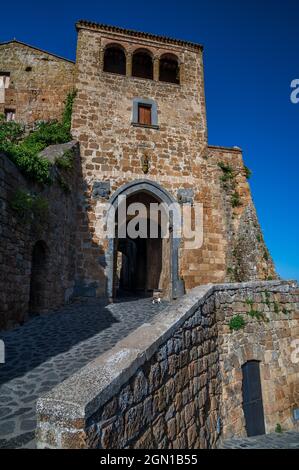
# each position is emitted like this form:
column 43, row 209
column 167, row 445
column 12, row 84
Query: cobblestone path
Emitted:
column 285, row 440
column 50, row 348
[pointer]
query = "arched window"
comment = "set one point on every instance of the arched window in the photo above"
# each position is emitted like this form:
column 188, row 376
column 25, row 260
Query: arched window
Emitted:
column 115, row 60
column 169, row 69
column 142, row 65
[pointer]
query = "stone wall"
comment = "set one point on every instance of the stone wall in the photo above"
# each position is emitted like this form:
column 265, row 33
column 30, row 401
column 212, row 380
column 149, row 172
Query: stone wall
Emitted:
column 179, row 159
column 267, row 340
column 19, row 235
column 38, row 84
column 177, row 382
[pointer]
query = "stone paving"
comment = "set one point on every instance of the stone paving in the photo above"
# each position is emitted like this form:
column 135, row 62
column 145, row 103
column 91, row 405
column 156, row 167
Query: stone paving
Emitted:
column 284, row 440
column 49, row 348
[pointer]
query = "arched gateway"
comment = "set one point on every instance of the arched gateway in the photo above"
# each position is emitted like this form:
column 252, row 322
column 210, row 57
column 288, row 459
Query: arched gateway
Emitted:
column 146, row 264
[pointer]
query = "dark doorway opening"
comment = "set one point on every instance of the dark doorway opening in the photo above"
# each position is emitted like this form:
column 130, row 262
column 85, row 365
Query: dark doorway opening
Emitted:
column 139, row 267
column 252, row 399
column 38, row 278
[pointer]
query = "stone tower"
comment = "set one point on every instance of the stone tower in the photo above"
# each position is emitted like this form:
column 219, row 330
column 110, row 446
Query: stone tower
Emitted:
column 140, row 119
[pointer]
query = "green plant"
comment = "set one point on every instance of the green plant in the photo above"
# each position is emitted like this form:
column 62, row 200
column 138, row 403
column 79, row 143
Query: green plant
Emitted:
column 235, row 200
column 249, row 302
column 66, row 161
column 25, row 153
column 278, row 428
column 30, row 206
column 285, row 311
column 26, row 158
column 10, row 131
column 68, row 109
column 228, row 173
column 256, row 314
column 259, row 237
column 267, row 298
column 276, row 307
column 266, row 255
column 237, row 323
column 248, row 172
column 63, row 184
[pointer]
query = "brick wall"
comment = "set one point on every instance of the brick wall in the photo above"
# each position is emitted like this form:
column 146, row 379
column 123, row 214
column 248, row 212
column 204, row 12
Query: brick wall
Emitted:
column 39, row 82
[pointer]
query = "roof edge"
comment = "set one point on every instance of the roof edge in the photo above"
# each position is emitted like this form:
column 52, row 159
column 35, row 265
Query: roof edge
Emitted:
column 15, row 41
column 85, row 24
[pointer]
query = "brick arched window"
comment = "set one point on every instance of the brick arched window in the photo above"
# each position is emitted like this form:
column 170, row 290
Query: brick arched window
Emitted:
column 115, row 60
column 169, row 69
column 142, row 64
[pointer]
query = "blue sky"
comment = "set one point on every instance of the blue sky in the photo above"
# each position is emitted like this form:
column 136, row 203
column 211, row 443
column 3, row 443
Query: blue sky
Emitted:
column 251, row 57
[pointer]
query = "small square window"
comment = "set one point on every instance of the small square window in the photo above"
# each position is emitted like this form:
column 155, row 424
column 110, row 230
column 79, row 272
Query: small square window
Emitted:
column 145, row 114
column 10, row 114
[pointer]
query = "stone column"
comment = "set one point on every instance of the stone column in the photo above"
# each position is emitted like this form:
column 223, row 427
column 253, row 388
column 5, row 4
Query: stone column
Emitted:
column 129, row 57
column 181, row 72
column 156, row 68
column 102, row 53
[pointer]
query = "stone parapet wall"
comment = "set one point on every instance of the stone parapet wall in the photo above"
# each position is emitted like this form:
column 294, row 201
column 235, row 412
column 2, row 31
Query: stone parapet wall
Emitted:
column 175, row 383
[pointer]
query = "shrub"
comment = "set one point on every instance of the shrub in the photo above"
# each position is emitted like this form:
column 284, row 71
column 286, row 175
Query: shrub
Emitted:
column 276, row 307
column 27, row 160
column 256, row 314
column 278, row 428
column 228, row 173
column 248, row 172
column 237, row 323
column 267, row 298
column 235, row 200
column 25, row 154
column 10, row 131
column 29, row 206
column 66, row 161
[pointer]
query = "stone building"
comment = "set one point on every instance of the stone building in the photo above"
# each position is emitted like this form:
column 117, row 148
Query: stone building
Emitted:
column 33, row 83
column 140, row 119
column 140, row 130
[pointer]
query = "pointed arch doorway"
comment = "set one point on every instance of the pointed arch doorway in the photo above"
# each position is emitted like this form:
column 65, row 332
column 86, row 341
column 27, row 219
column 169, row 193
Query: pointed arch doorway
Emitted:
column 145, row 264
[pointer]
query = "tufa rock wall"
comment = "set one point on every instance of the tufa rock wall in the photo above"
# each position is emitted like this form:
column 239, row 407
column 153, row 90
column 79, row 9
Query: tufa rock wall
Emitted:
column 113, row 150
column 38, row 84
column 55, row 231
column 177, row 382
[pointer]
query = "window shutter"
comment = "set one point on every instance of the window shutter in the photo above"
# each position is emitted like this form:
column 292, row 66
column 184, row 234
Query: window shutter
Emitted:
column 144, row 115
